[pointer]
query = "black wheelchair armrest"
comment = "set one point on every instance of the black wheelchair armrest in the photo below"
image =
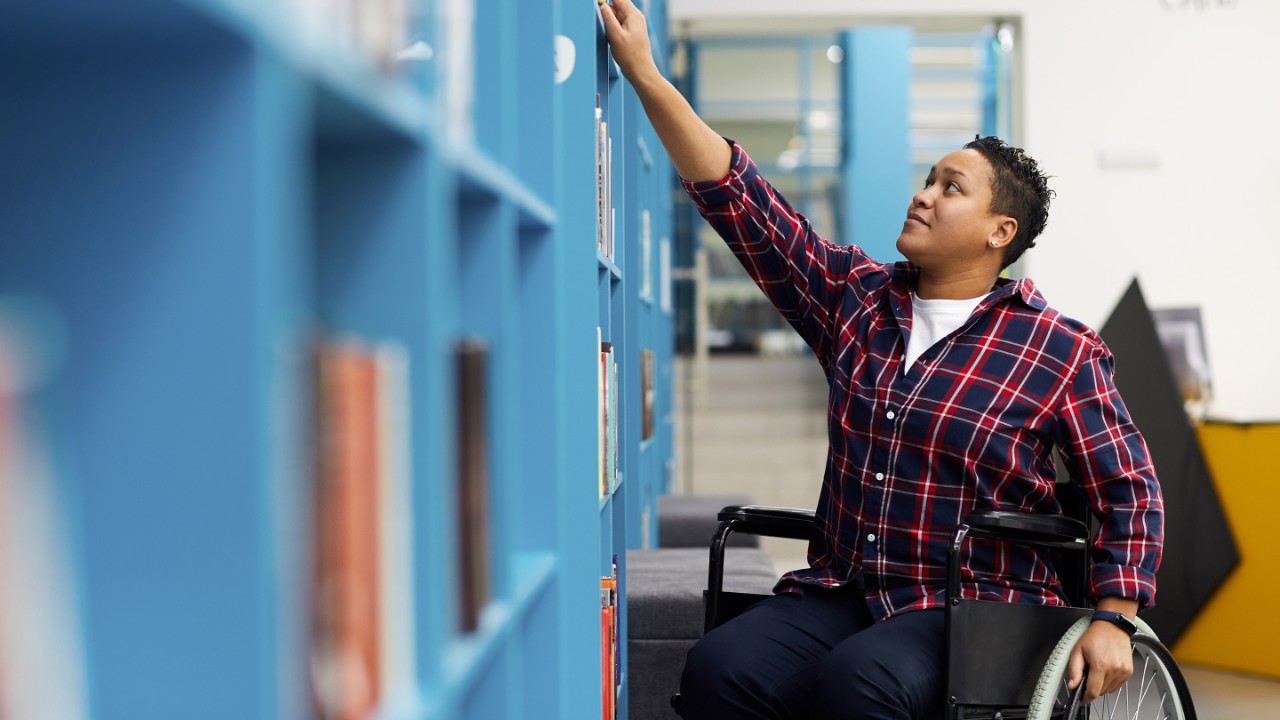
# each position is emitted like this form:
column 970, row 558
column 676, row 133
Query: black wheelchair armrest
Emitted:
column 1054, row 531
column 753, row 520
column 768, row 521
column 1046, row 530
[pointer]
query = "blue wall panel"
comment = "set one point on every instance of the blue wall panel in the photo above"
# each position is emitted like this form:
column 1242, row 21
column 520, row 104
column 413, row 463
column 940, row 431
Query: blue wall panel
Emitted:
column 875, row 94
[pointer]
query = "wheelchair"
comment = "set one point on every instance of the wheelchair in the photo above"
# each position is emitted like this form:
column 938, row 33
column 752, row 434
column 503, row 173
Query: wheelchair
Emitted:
column 1003, row 661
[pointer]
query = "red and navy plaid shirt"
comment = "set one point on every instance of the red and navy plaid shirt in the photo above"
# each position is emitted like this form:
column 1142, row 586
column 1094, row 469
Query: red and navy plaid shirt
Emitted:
column 971, row 425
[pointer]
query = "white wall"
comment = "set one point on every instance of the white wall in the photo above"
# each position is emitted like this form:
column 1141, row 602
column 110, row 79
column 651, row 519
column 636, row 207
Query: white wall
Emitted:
column 1160, row 120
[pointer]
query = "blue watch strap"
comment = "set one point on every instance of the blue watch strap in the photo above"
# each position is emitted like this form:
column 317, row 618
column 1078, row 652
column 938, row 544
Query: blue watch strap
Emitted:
column 1117, row 619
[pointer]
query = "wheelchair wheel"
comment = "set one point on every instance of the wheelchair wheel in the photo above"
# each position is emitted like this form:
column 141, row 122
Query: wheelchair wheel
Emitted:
column 1156, row 691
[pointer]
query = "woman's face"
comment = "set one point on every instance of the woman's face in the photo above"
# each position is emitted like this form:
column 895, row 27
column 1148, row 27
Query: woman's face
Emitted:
column 949, row 224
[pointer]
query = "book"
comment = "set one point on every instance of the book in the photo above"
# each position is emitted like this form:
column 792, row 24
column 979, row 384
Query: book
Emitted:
column 647, row 393
column 610, row 665
column 608, row 418
column 614, row 474
column 604, row 186
column 346, row 638
column 474, row 560
column 601, row 132
column 601, row 418
column 373, row 30
column 608, row 188
column 457, row 25
column 399, row 659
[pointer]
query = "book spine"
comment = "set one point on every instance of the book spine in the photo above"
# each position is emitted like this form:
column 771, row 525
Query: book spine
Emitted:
column 601, row 417
column 600, row 130
column 613, row 422
column 473, row 482
column 399, row 666
column 346, row 636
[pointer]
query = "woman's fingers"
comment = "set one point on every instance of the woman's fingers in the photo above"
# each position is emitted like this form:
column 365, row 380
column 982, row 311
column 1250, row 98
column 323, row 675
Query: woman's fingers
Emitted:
column 1075, row 668
column 628, row 36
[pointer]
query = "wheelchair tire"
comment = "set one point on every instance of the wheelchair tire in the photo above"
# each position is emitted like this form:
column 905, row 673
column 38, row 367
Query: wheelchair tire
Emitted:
column 1157, row 689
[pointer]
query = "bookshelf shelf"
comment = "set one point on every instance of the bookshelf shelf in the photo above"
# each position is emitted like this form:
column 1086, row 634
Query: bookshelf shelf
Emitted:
column 608, row 266
column 470, row 655
column 329, row 335
column 479, row 172
column 357, row 102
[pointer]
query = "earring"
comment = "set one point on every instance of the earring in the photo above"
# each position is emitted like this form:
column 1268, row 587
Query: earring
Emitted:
column 993, row 243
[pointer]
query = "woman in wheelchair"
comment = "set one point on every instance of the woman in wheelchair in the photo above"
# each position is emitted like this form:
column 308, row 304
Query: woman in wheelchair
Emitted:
column 950, row 389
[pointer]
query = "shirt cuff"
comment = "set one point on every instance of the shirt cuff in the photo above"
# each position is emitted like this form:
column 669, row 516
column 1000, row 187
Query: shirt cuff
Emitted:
column 1123, row 581
column 713, row 193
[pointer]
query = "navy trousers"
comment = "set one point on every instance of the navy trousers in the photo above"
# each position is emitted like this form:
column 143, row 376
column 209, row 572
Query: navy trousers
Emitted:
column 817, row 654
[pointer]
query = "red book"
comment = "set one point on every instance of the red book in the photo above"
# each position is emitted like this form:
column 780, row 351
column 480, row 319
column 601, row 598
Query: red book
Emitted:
column 609, row 646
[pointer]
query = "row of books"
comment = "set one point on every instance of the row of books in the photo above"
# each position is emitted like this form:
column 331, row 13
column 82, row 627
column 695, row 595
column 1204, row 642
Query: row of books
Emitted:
column 376, row 29
column 607, row 394
column 363, row 618
column 604, row 185
column 610, row 663
column 362, row 615
column 390, row 33
column 607, row 427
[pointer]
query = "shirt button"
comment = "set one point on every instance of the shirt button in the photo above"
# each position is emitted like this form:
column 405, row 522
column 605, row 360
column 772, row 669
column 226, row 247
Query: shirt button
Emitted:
column 871, row 537
column 889, row 415
column 879, row 476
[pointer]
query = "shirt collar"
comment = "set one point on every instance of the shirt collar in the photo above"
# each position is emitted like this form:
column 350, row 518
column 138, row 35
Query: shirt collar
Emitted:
column 906, row 276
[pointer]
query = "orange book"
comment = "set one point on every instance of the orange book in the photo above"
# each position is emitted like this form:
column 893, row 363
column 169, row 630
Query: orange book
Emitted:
column 347, row 634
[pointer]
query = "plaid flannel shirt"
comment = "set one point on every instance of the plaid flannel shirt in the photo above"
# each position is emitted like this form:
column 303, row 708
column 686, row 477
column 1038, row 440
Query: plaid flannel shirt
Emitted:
column 971, row 425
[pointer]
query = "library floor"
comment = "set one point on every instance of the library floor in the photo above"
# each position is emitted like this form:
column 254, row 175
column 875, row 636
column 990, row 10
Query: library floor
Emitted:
column 761, row 419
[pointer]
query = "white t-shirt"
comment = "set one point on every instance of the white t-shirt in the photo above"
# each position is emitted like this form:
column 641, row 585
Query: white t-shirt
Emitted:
column 932, row 320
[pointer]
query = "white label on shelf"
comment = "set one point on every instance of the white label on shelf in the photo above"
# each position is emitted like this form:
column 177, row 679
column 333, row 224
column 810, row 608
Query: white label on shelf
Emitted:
column 566, row 56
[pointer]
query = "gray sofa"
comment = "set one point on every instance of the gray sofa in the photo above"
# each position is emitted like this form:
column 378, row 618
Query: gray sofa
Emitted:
column 664, row 596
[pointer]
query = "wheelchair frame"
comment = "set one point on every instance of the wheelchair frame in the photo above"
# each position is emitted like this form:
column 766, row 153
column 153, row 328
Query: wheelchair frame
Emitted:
column 983, row 638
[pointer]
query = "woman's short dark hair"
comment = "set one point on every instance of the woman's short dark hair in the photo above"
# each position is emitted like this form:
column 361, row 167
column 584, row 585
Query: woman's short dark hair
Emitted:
column 1018, row 189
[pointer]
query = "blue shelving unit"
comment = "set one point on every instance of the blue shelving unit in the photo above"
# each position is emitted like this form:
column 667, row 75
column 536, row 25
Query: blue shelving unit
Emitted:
column 194, row 190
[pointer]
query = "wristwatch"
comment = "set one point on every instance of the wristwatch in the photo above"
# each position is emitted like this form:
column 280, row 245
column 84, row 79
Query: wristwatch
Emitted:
column 1118, row 619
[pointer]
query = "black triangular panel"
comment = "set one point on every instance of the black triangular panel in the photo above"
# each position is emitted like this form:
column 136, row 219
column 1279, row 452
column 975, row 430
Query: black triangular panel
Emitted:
column 1199, row 550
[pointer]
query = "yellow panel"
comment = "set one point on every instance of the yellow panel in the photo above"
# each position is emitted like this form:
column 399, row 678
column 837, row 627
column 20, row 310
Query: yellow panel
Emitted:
column 1239, row 629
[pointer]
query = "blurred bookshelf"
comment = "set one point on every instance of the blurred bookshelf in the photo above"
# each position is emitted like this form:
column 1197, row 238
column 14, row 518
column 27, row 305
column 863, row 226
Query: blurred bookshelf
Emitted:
column 305, row 302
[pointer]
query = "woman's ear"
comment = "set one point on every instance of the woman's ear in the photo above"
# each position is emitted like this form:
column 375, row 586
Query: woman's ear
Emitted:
column 1003, row 232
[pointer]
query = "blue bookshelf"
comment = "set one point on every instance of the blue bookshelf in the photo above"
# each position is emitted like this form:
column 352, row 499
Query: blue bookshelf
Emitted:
column 195, row 192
